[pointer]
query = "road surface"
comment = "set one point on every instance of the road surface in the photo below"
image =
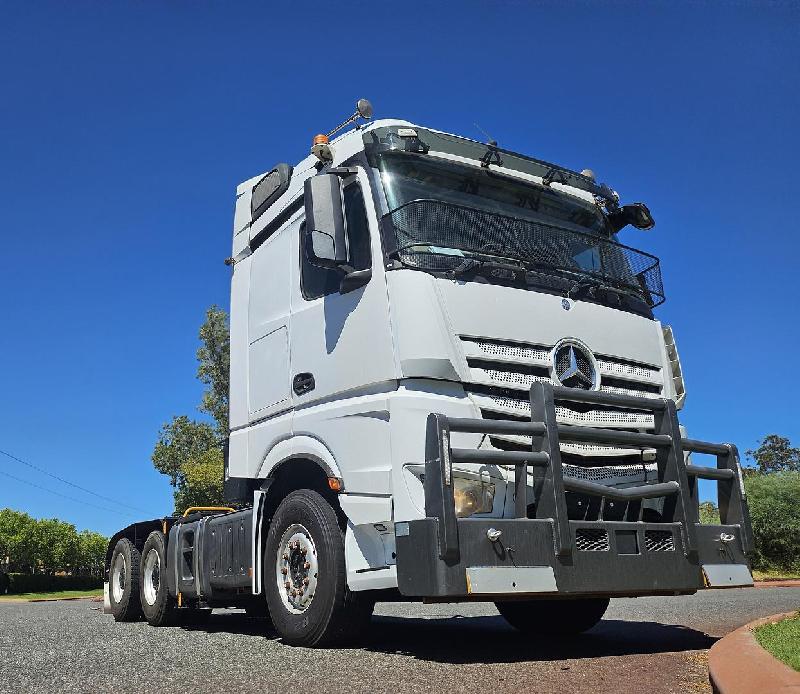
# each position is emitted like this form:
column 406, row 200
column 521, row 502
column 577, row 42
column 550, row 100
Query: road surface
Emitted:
column 644, row 645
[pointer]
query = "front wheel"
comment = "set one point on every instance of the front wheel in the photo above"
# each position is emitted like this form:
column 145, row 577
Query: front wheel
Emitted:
column 561, row 617
column 305, row 579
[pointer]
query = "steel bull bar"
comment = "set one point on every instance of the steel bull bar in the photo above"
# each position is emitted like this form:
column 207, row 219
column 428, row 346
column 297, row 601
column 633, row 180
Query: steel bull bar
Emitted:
column 541, row 550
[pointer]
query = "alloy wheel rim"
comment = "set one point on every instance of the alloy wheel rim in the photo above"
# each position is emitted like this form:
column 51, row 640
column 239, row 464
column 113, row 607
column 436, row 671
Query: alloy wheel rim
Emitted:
column 152, row 576
column 296, row 568
column 118, row 576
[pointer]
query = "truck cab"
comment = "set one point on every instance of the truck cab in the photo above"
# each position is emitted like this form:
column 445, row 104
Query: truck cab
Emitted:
column 448, row 383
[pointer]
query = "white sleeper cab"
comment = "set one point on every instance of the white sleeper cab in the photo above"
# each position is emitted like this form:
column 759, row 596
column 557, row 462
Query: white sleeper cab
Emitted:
column 447, row 383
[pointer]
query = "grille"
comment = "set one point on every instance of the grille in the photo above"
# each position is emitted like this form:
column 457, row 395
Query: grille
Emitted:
column 591, row 540
column 422, row 224
column 523, row 380
column 620, row 368
column 510, row 349
column 626, row 417
column 658, row 541
column 609, row 473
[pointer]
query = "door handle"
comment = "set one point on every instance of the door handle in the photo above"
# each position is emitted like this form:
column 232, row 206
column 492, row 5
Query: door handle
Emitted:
column 303, row 383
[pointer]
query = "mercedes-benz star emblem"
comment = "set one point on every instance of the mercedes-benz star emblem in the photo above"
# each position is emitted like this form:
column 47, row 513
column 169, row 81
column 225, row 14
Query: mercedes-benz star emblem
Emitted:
column 574, row 367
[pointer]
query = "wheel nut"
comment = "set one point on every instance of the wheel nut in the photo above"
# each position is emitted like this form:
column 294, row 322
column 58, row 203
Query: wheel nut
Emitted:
column 307, row 566
column 285, row 557
column 294, row 593
column 287, row 585
column 305, row 581
column 284, row 570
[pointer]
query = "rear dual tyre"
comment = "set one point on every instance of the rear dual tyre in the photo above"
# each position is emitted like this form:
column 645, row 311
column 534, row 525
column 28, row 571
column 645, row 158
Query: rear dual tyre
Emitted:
column 157, row 604
column 123, row 582
column 304, row 576
column 553, row 617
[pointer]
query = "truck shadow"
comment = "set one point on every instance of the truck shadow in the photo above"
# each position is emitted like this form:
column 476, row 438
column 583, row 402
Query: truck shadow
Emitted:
column 489, row 639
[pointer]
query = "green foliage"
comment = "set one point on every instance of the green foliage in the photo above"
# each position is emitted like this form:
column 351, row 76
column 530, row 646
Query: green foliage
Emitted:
column 202, row 477
column 213, row 370
column 776, row 454
column 48, row 545
column 179, row 442
column 48, row 583
column 709, row 513
column 189, row 452
column 774, row 501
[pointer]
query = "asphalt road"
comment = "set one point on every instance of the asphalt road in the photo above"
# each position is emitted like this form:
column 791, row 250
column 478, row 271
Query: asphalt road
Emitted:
column 644, row 645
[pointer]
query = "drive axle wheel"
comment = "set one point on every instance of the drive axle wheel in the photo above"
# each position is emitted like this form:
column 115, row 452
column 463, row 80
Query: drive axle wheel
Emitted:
column 123, row 582
column 305, row 579
column 560, row 617
column 157, row 605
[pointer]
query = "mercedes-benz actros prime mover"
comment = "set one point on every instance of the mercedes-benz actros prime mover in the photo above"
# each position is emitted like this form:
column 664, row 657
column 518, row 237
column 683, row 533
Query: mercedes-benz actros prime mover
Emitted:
column 446, row 384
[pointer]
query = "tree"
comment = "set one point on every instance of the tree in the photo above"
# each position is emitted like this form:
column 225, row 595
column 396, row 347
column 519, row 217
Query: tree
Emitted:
column 16, row 540
column 179, row 442
column 48, row 545
column 188, row 451
column 773, row 500
column 92, row 553
column 709, row 513
column 202, row 481
column 214, row 359
column 776, row 454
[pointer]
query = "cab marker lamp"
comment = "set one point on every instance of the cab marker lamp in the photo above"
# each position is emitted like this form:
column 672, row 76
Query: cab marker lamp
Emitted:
column 675, row 366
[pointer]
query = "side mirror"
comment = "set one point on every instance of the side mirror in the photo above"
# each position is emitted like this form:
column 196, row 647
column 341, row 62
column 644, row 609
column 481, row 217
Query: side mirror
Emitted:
column 635, row 214
column 325, row 228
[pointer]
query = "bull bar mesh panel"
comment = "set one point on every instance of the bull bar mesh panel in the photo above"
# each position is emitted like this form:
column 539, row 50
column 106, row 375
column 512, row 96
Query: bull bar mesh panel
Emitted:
column 421, row 224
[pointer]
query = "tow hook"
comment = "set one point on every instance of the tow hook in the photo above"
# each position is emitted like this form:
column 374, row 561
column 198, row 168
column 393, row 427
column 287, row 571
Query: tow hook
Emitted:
column 493, row 535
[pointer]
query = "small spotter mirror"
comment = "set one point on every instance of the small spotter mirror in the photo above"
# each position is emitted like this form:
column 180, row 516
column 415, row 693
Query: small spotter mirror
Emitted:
column 364, row 108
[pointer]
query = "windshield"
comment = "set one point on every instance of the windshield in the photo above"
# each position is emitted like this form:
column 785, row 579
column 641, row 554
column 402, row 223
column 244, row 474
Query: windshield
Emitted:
column 445, row 216
column 408, row 177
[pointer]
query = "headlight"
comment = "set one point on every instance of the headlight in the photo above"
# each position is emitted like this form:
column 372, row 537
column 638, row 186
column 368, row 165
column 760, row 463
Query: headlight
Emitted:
column 472, row 496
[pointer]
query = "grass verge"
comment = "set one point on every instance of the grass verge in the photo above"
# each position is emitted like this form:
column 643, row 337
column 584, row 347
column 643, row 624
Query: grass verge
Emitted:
column 775, row 575
column 59, row 595
column 782, row 639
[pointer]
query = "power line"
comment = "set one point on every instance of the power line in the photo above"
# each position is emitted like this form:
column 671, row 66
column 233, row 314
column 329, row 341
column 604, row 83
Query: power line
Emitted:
column 72, row 484
column 65, row 496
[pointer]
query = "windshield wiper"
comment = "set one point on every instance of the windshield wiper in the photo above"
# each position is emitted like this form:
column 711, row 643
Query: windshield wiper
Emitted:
column 592, row 284
column 491, row 267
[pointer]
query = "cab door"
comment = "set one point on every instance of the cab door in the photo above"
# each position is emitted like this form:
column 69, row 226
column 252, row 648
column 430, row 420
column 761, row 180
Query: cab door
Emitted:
column 342, row 364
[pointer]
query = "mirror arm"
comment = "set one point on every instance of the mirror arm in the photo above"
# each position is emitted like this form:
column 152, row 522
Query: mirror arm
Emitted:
column 354, row 279
column 342, row 170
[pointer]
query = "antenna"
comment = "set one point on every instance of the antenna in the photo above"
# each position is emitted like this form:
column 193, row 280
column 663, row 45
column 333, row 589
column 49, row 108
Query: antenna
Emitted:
column 489, row 139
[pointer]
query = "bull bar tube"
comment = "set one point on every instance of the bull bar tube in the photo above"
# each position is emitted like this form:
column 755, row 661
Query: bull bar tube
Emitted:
column 541, row 550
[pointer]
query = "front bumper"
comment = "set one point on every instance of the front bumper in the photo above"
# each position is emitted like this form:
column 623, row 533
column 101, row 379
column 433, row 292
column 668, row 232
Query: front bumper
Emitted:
column 542, row 551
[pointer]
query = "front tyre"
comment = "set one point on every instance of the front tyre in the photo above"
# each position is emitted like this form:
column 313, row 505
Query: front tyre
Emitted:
column 305, row 579
column 560, row 617
column 157, row 605
column 123, row 582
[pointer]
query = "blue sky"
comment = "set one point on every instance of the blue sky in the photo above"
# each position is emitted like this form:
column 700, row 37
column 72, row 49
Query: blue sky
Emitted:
column 125, row 127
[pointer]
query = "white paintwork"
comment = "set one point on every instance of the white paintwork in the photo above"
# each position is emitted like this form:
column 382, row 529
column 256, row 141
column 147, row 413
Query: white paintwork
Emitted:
column 384, row 357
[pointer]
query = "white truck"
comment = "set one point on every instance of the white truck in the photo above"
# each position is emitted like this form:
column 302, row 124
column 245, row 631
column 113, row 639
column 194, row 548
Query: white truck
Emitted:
column 446, row 384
